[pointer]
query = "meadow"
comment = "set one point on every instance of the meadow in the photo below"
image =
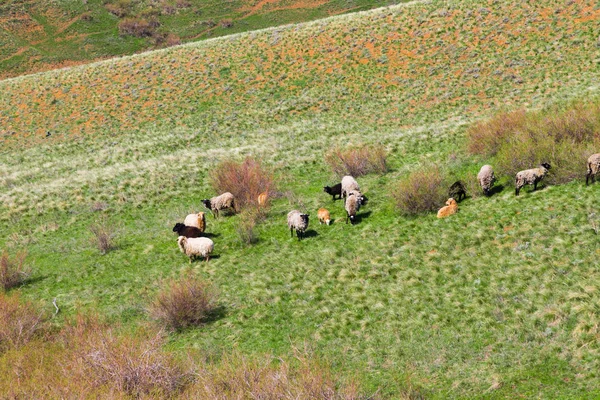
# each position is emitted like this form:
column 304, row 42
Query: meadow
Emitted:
column 43, row 35
column 497, row 301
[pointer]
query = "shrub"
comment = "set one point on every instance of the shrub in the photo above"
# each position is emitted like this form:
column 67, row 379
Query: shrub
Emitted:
column 184, row 303
column 357, row 161
column 13, row 270
column 226, row 23
column 519, row 140
column 138, row 27
column 119, row 8
column 134, row 364
column 104, row 235
column 245, row 180
column 19, row 322
column 422, row 191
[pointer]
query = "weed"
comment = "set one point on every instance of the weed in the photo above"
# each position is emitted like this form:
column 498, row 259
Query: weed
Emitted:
column 184, row 303
column 13, row 270
column 358, row 161
column 138, row 27
column 246, row 225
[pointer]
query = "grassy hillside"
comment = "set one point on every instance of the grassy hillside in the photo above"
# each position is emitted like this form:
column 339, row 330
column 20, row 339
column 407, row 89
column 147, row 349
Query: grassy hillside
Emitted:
column 42, row 35
column 499, row 300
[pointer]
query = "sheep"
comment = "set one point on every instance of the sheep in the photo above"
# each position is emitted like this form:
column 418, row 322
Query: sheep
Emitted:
column 362, row 199
column 298, row 221
column 530, row 177
column 196, row 247
column 348, row 184
column 486, row 178
column 593, row 167
column 221, row 202
column 450, row 208
column 335, row 190
column 352, row 205
column 457, row 191
column 262, row 199
column 187, row 231
column 196, row 220
column 324, row 217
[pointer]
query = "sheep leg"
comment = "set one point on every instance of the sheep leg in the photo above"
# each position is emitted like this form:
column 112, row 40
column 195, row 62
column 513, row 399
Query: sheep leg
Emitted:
column 207, row 258
column 517, row 191
column 292, row 232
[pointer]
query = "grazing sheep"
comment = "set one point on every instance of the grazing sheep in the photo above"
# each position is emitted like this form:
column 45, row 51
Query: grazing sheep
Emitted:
column 486, row 178
column 221, row 202
column 262, row 198
column 530, row 177
column 457, row 191
column 451, row 208
column 349, row 184
column 197, row 220
column 196, row 247
column 352, row 206
column 593, row 167
column 323, row 215
column 187, row 231
column 298, row 221
column 335, row 190
column 362, row 199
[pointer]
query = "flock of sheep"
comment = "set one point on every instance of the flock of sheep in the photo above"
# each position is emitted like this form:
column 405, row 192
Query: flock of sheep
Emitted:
column 192, row 242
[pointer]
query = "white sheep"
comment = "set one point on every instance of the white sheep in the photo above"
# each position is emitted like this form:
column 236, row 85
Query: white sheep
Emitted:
column 196, row 247
column 530, row 177
column 486, row 178
column 349, row 184
column 221, row 202
column 196, row 220
column 298, row 221
column 352, row 205
column 593, row 167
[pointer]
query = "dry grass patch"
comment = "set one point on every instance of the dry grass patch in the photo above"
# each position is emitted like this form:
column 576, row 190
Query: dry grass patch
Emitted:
column 184, row 303
column 104, row 235
column 357, row 161
column 19, row 322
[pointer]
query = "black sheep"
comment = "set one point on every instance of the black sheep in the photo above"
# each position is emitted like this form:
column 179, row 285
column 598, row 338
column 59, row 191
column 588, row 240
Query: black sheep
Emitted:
column 334, row 190
column 457, row 191
column 187, row 231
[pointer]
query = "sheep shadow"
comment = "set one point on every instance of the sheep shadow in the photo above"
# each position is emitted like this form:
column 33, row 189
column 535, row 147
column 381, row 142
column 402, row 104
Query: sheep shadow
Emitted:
column 361, row 216
column 496, row 189
column 210, row 234
column 310, row 233
column 28, row 281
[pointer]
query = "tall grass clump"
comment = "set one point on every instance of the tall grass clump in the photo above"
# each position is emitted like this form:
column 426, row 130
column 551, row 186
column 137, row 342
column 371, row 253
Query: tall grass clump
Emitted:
column 103, row 235
column 562, row 136
column 19, row 322
column 245, row 180
column 184, row 303
column 246, row 225
column 240, row 377
column 13, row 270
column 132, row 364
column 420, row 192
column 357, row 161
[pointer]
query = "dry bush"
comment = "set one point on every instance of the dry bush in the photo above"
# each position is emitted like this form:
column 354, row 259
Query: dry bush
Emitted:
column 238, row 377
column 133, row 364
column 422, row 191
column 104, row 235
column 184, row 303
column 522, row 140
column 13, row 270
column 119, row 8
column 19, row 322
column 138, row 27
column 357, row 161
column 226, row 23
column 245, row 180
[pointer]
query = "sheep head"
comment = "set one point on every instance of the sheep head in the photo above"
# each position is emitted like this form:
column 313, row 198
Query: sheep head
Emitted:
column 178, row 227
column 206, row 203
column 546, row 165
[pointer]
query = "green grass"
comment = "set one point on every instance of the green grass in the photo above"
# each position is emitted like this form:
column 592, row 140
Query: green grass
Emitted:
column 497, row 301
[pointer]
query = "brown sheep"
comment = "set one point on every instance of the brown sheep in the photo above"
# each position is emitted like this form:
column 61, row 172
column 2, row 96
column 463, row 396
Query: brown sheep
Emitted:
column 451, row 208
column 324, row 217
